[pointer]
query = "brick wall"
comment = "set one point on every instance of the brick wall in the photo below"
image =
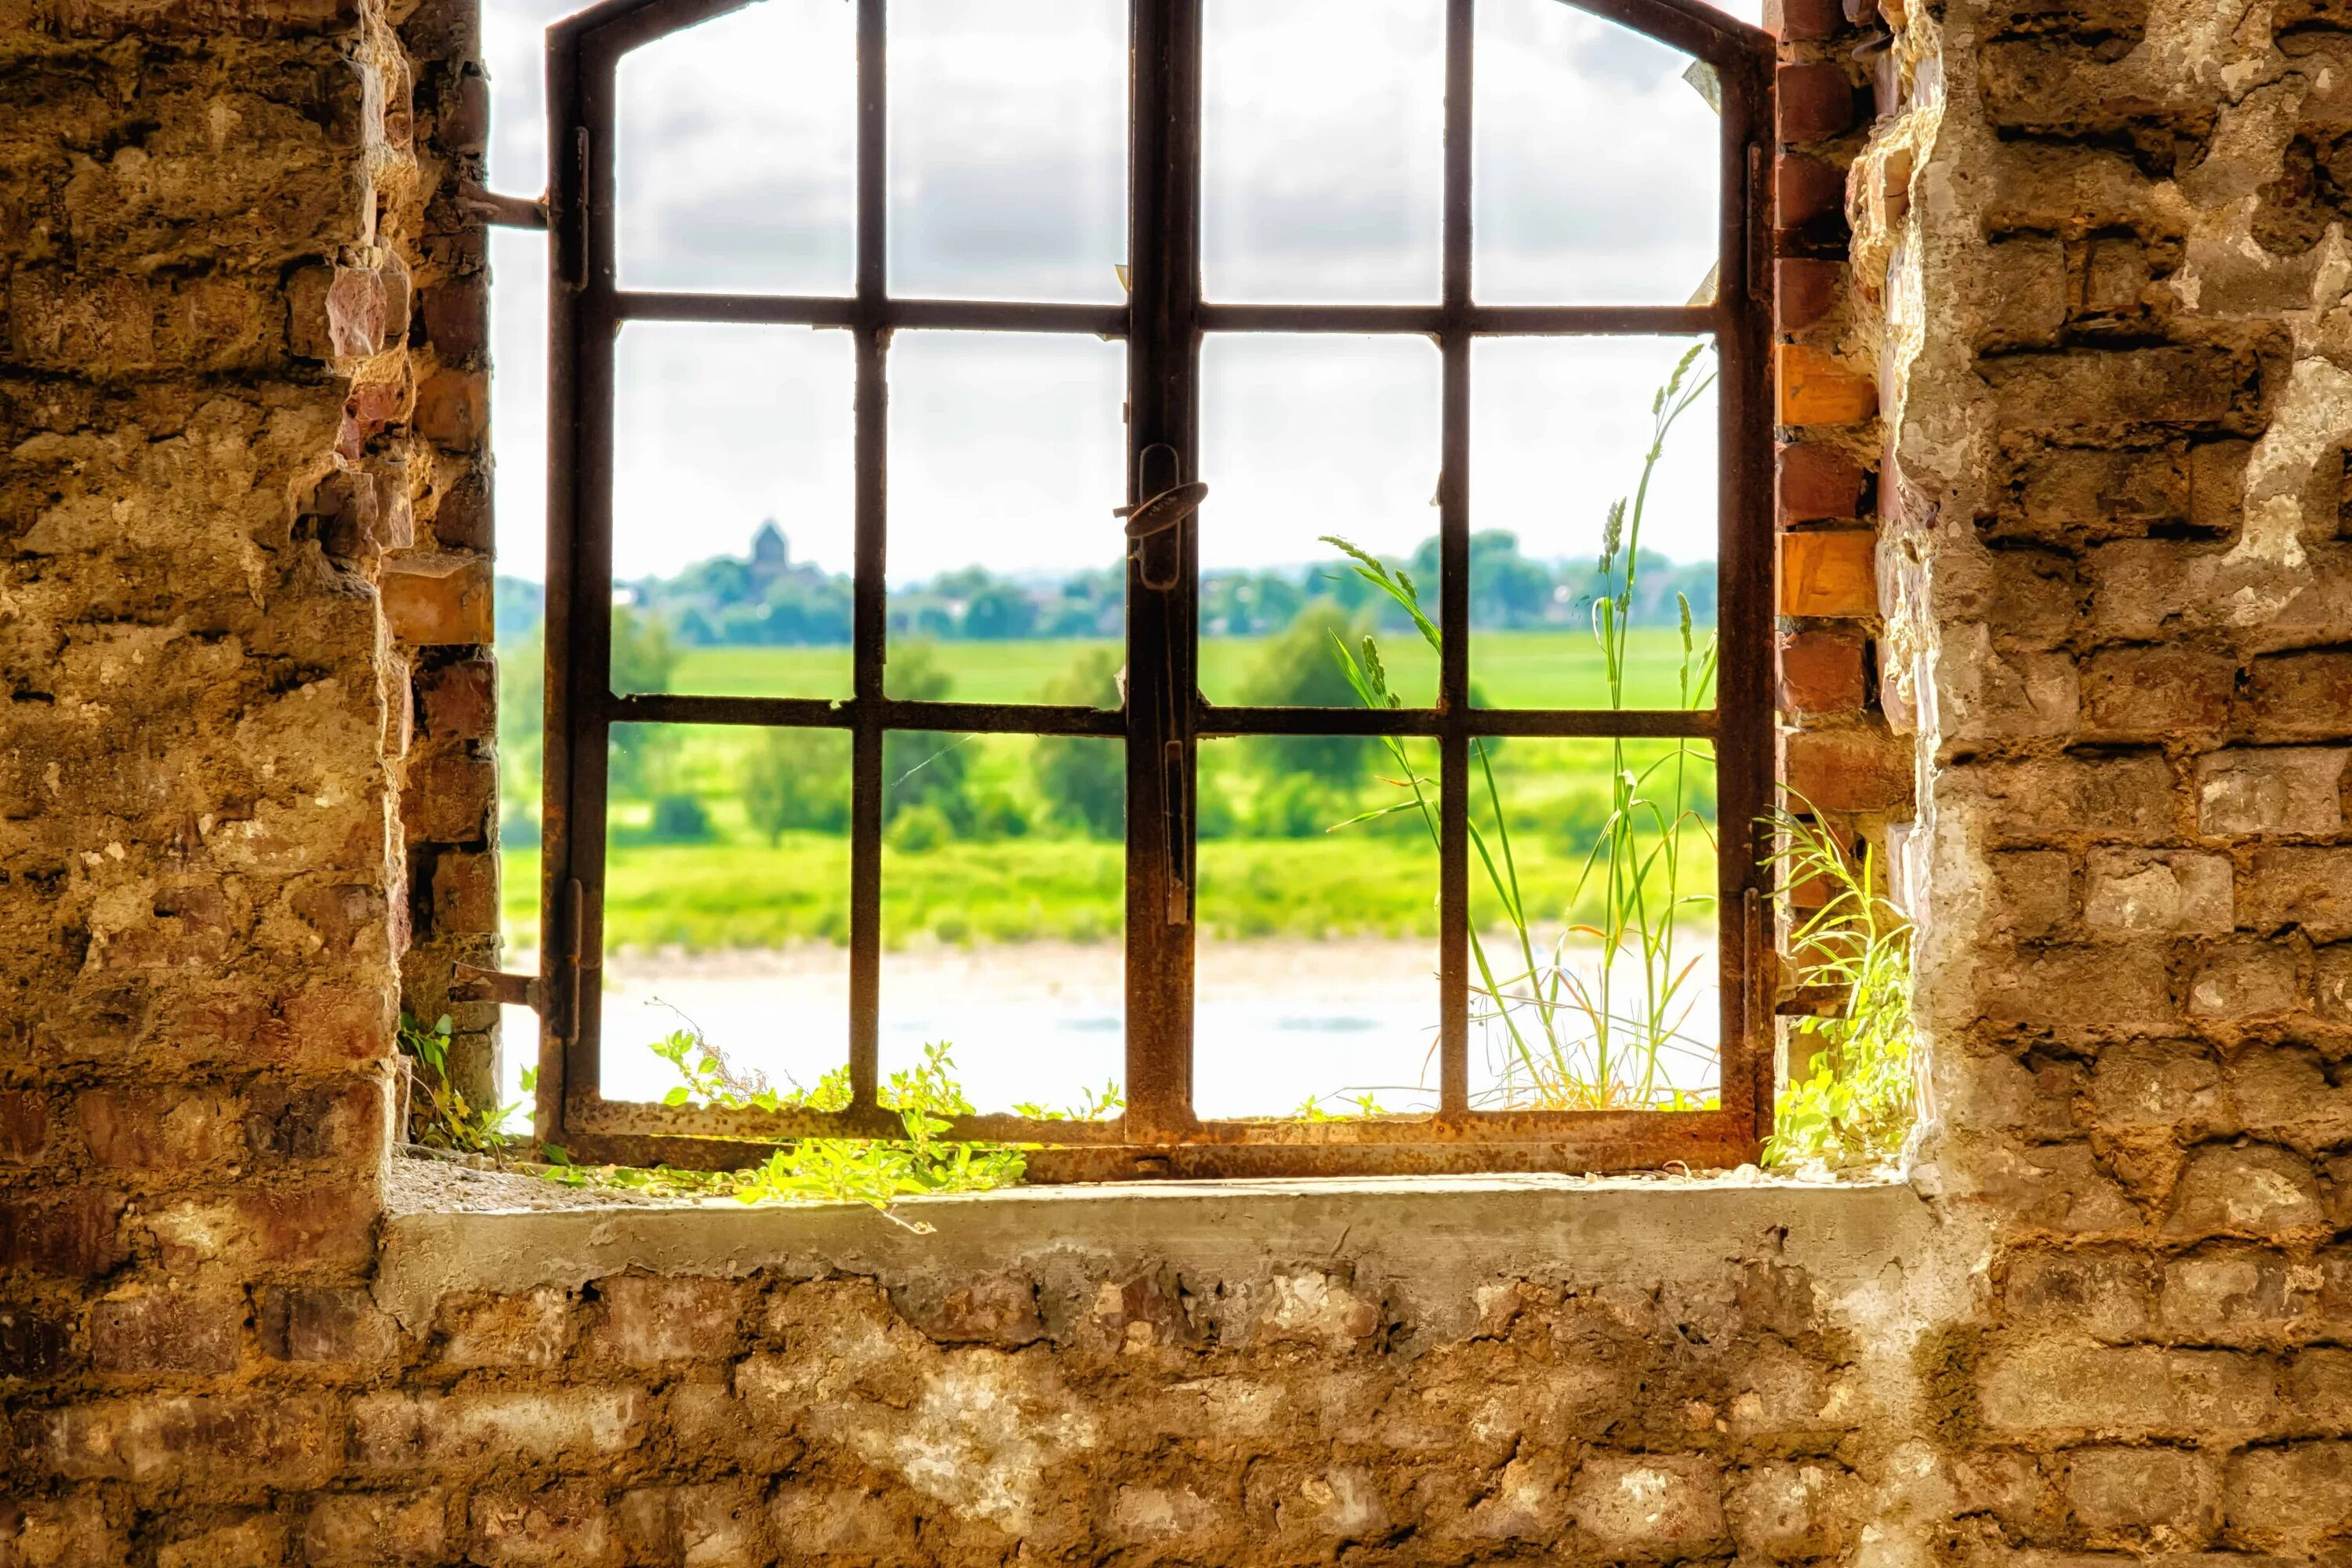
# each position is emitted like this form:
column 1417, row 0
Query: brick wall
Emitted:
column 2063, row 321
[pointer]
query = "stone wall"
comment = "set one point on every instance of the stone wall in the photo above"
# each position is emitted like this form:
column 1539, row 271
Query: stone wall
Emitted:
column 2079, row 348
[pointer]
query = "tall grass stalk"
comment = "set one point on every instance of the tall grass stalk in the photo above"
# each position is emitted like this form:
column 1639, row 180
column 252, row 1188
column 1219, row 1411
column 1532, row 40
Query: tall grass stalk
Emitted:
column 1576, row 1040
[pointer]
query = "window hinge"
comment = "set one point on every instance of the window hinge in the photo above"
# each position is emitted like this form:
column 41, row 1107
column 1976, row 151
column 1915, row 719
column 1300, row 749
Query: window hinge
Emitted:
column 500, row 985
column 504, row 211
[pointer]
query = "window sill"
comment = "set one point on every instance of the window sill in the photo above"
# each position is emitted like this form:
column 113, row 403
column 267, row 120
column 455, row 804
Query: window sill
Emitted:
column 1426, row 1241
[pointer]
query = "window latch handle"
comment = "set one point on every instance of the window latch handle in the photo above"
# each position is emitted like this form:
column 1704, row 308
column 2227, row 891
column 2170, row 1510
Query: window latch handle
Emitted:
column 1162, row 513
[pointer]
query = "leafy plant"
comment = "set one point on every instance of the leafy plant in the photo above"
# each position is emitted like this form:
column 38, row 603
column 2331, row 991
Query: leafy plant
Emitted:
column 1858, row 1100
column 873, row 1171
column 451, row 1122
column 1575, row 1039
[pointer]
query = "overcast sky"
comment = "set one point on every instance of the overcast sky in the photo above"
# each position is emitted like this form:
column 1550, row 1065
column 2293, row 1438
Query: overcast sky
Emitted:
column 1595, row 184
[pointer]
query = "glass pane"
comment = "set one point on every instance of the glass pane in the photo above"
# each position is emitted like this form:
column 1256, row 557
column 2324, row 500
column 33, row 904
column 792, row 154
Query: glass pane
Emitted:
column 1559, row 431
column 1596, row 164
column 1605, row 994
column 1323, row 145
column 1316, row 968
column 737, row 154
column 1008, row 149
column 733, row 532
column 1005, row 456
column 1302, row 437
column 725, row 904
column 1003, row 898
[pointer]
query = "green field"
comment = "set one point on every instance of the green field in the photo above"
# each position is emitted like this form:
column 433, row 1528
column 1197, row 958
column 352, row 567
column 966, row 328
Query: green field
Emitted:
column 1510, row 670
column 1265, row 868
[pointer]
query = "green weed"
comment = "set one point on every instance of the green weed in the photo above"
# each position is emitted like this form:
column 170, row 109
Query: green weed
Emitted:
column 1858, row 1101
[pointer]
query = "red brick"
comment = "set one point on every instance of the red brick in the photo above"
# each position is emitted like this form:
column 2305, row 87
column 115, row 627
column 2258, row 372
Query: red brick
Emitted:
column 34, row 1343
column 1816, row 101
column 1817, row 388
column 457, row 317
column 1847, row 770
column 1821, row 672
column 1803, row 21
column 438, row 600
column 166, row 1330
column 72, row 1235
column 1803, row 289
column 1814, row 482
column 2146, row 693
column 24, row 1125
column 1805, row 191
column 460, row 700
column 465, row 117
column 1829, row 571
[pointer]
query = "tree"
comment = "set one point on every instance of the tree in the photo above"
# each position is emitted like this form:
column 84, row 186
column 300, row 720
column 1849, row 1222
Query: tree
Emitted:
column 920, row 768
column 797, row 779
column 644, row 658
column 1084, row 777
column 1298, row 669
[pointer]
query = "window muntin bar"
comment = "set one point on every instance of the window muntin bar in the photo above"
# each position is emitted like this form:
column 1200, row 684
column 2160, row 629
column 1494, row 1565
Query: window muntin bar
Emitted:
column 1163, row 323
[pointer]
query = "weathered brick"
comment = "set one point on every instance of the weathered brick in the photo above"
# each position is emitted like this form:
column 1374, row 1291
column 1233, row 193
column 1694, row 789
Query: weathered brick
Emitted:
column 158, row 1130
column 2276, row 789
column 2147, row 693
column 377, row 1529
column 2052, row 1386
column 2241, row 981
column 459, row 700
column 566, row 1524
column 2121, row 988
column 2140, row 893
column 453, row 409
column 70, row 1531
column 2104, row 1294
column 2120, row 1491
column 396, row 1432
column 2308, row 888
column 1992, row 695
column 2300, row 697
column 24, row 1125
column 2034, row 892
column 223, row 1445
column 324, row 1324
column 1829, row 572
column 434, row 600
column 450, row 797
column 1794, row 1510
column 2028, row 310
column 1636, row 1507
column 2129, row 797
column 256, row 1541
column 2063, row 493
column 2260, row 1190
column 648, row 1320
column 73, row 1235
column 167, row 1330
column 2288, row 1497
column 1807, row 192
column 533, row 1328
column 1846, row 770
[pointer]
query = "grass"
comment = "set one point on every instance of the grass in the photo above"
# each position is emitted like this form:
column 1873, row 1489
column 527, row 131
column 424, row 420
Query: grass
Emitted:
column 1560, row 669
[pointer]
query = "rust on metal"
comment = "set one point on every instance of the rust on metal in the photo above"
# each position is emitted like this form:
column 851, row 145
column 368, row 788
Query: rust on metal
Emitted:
column 1163, row 717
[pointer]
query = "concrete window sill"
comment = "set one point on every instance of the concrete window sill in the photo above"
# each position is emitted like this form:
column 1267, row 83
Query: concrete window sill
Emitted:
column 1427, row 1244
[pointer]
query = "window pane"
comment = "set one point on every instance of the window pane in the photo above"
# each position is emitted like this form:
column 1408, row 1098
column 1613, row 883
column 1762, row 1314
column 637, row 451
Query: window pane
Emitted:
column 1558, row 430
column 1323, row 145
column 726, row 904
column 732, row 533
column 1596, row 163
column 738, row 155
column 1008, row 149
column 1302, row 437
column 1316, row 963
column 1608, row 996
column 1004, row 878
column 1005, row 456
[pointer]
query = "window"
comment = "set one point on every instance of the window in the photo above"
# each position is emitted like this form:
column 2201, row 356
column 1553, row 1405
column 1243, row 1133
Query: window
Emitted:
column 1452, row 302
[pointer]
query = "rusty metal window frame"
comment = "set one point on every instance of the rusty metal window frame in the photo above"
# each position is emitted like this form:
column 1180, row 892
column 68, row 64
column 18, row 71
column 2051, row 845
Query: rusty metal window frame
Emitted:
column 1164, row 718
